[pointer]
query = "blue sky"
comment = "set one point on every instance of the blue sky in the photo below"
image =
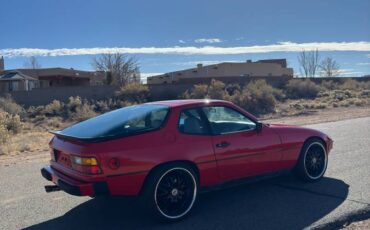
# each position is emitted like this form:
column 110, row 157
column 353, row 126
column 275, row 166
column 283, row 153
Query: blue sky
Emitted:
column 171, row 35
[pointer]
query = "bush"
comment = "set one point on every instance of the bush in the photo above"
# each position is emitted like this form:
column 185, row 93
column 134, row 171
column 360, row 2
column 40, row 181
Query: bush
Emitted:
column 329, row 85
column 4, row 135
column 134, row 93
column 83, row 112
column 8, row 105
column 351, row 84
column 199, row 91
column 9, row 124
column 259, row 97
column 216, row 89
column 55, row 108
column 298, row 88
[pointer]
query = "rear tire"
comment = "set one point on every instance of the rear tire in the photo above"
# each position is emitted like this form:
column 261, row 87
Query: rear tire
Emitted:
column 171, row 191
column 312, row 162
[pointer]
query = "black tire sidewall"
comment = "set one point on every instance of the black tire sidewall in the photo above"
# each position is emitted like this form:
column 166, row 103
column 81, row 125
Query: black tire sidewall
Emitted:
column 150, row 186
column 300, row 169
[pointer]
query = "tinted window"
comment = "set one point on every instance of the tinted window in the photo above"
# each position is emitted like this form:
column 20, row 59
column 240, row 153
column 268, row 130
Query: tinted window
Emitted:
column 226, row 120
column 190, row 122
column 120, row 122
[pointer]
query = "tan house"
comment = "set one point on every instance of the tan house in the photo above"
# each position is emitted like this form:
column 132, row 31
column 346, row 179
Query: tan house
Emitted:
column 261, row 68
column 27, row 79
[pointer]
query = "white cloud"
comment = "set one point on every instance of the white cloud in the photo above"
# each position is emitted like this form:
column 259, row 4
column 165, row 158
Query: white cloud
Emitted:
column 207, row 40
column 182, row 41
column 363, row 63
column 188, row 50
column 209, row 62
column 350, row 73
column 145, row 75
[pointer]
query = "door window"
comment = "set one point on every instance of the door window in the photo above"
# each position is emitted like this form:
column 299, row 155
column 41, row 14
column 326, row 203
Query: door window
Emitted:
column 191, row 122
column 226, row 120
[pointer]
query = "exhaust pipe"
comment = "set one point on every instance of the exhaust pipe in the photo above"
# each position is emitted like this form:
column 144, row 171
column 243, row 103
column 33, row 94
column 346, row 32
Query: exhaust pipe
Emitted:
column 52, row 188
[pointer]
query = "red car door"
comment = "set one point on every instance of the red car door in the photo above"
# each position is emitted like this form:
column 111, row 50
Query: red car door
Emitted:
column 240, row 149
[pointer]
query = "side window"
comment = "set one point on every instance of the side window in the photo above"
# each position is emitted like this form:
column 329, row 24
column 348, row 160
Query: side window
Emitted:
column 190, row 122
column 225, row 120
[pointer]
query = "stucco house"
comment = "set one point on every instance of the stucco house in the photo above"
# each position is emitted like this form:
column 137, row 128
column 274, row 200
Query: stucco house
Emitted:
column 15, row 81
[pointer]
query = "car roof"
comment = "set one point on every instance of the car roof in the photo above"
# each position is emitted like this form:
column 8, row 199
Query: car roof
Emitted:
column 186, row 102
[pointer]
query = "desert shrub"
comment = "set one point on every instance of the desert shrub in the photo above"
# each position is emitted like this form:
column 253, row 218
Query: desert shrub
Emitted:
column 365, row 93
column 83, row 112
column 9, row 124
column 257, row 97
column 54, row 122
column 102, row 106
column 73, row 104
column 297, row 88
column 232, row 89
column 216, row 89
column 8, row 105
column 199, row 91
column 55, row 108
column 329, row 85
column 4, row 134
column 134, row 93
column 14, row 124
column 320, row 105
column 350, row 84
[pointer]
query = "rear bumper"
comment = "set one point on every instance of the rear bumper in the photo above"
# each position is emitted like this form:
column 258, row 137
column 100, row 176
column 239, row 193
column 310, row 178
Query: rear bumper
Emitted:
column 72, row 186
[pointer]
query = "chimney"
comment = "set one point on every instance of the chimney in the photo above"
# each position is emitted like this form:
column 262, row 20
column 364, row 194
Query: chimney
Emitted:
column 200, row 65
column 2, row 65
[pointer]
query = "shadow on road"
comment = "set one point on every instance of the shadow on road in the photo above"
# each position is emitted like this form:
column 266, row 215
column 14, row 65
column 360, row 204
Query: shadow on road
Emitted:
column 281, row 203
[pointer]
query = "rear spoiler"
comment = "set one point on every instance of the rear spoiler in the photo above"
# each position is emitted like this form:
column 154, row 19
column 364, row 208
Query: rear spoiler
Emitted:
column 97, row 139
column 59, row 134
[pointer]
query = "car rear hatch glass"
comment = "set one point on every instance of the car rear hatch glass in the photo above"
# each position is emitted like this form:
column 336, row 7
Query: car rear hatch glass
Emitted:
column 118, row 123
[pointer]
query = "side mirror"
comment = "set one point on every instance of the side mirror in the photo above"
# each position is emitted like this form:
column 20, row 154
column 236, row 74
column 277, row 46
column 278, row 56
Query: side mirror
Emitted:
column 259, row 126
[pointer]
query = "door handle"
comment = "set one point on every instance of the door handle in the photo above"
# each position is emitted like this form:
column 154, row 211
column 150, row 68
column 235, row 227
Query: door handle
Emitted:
column 223, row 144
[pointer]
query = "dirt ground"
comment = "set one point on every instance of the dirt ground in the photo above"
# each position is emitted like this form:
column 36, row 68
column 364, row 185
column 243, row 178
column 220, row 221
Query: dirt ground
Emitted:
column 360, row 225
column 320, row 116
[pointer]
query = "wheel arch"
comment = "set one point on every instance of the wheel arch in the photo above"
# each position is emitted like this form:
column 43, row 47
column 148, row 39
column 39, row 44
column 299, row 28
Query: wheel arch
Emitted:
column 311, row 138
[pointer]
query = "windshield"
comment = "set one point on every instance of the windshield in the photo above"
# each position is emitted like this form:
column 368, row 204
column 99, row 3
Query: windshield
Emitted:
column 120, row 122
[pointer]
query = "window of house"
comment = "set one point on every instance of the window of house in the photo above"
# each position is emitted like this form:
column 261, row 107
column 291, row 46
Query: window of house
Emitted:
column 13, row 86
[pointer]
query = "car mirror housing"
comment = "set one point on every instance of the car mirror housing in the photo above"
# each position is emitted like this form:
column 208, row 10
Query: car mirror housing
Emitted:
column 259, row 126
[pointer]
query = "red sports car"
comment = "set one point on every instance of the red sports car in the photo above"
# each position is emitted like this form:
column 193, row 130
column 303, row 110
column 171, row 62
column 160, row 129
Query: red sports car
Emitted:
column 168, row 151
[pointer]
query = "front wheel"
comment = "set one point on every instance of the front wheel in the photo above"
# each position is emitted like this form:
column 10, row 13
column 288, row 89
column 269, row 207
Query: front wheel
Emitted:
column 172, row 192
column 313, row 161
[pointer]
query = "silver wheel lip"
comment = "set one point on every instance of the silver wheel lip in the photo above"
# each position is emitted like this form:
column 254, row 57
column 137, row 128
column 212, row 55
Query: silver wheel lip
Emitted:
column 194, row 193
column 326, row 161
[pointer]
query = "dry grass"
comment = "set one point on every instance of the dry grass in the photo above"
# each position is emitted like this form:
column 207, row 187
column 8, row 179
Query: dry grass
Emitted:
column 29, row 142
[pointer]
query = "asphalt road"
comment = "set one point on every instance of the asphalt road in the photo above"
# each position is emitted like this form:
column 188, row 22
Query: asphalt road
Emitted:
column 280, row 203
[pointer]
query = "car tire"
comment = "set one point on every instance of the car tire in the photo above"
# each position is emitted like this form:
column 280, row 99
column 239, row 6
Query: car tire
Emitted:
column 313, row 161
column 171, row 191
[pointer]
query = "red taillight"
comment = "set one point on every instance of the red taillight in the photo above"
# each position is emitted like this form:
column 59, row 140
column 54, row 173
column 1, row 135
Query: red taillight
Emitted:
column 88, row 165
column 88, row 169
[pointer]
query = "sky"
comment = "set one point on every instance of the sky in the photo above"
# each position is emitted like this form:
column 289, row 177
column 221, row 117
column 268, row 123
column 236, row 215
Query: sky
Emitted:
column 172, row 35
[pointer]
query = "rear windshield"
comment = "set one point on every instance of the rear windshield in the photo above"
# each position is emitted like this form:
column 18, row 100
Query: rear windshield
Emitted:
column 121, row 122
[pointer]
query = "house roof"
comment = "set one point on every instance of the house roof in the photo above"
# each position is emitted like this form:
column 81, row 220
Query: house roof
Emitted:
column 50, row 72
column 14, row 76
